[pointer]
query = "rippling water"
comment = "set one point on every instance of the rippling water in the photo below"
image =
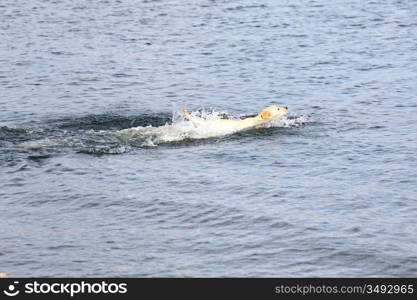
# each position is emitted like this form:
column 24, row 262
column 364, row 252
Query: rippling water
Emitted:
column 101, row 176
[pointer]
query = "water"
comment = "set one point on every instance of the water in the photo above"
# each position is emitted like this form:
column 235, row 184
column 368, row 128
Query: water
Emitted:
column 101, row 176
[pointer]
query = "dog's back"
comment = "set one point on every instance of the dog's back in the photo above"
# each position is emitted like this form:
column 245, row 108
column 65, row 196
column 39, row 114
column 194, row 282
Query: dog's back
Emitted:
column 264, row 116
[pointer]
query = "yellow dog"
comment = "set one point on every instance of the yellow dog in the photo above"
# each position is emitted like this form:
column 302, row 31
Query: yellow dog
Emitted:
column 270, row 113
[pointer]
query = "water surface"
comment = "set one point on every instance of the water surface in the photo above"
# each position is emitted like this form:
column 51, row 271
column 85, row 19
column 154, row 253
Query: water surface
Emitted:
column 328, row 191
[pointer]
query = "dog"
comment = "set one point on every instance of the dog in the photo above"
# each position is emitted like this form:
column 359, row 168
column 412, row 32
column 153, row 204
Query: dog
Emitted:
column 270, row 113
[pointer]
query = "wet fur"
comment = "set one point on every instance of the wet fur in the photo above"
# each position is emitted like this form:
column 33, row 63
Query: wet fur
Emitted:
column 266, row 115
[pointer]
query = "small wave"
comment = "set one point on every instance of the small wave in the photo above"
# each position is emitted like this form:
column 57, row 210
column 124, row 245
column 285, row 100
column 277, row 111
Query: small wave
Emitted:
column 286, row 122
column 16, row 134
column 101, row 150
column 41, row 143
column 110, row 121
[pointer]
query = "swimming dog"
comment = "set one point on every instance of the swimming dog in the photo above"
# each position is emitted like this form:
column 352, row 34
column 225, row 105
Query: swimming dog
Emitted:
column 270, row 113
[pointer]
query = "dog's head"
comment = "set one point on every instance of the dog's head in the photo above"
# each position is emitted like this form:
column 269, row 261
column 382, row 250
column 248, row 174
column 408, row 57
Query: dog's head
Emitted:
column 273, row 112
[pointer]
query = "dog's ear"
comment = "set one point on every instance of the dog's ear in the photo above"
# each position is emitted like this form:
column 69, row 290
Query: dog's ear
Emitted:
column 266, row 114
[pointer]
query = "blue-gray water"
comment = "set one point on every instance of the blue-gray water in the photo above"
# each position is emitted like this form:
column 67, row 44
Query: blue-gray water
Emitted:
column 329, row 192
